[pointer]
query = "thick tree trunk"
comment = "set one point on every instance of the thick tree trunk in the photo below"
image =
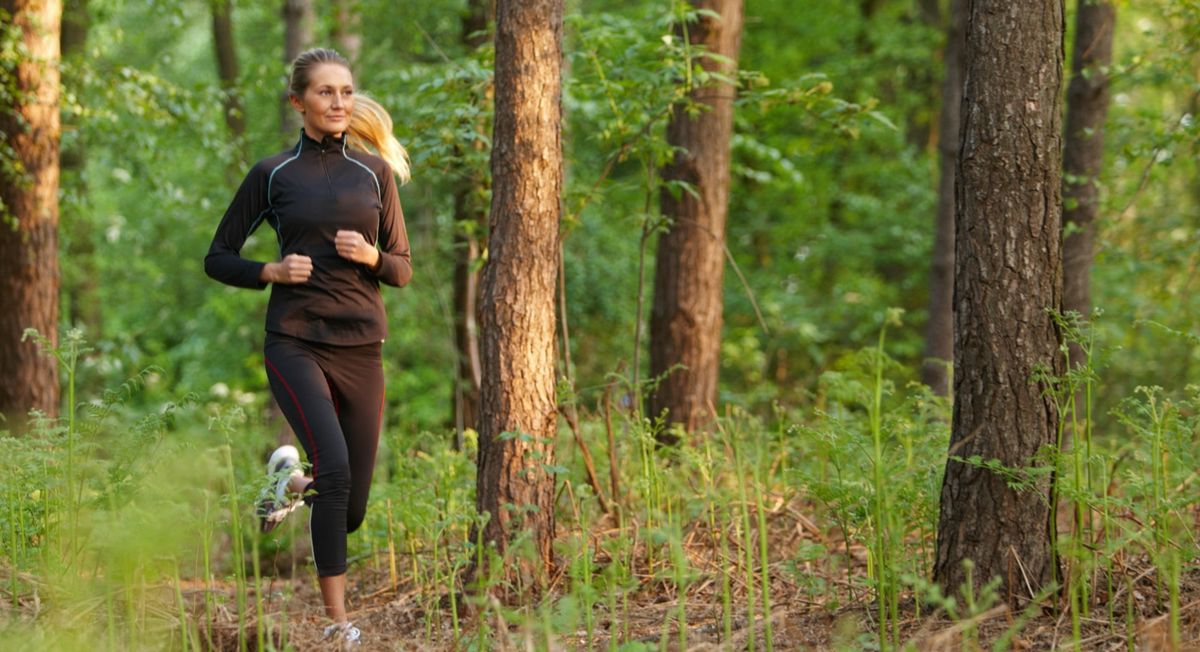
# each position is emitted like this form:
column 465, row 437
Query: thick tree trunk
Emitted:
column 517, row 402
column 1083, row 152
column 227, row 67
column 298, row 21
column 347, row 29
column 939, row 330
column 1008, row 272
column 470, row 222
column 29, row 204
column 685, row 323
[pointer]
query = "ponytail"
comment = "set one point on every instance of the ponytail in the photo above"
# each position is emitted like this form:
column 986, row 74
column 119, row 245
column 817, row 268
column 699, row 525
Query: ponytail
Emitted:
column 371, row 129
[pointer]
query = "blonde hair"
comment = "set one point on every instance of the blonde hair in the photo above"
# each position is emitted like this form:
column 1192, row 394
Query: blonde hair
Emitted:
column 370, row 125
column 371, row 129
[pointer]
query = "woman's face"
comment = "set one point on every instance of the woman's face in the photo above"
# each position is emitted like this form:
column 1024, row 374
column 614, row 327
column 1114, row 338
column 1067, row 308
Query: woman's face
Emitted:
column 328, row 100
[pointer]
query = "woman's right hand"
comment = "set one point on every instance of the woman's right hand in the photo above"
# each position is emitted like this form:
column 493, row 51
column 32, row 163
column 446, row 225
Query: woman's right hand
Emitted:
column 292, row 270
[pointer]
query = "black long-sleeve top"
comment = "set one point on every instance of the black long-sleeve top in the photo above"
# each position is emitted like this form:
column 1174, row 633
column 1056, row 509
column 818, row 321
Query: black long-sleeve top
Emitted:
column 307, row 193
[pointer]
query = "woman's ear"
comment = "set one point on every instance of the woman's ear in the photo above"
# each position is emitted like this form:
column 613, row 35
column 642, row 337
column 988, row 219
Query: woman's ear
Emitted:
column 296, row 103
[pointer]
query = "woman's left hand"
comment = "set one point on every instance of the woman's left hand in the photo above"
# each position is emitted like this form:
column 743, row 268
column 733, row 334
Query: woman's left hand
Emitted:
column 351, row 245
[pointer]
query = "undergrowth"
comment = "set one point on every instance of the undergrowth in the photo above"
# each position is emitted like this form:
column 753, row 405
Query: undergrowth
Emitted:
column 128, row 524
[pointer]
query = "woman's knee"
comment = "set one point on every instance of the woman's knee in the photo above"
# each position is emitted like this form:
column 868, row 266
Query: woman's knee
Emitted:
column 355, row 517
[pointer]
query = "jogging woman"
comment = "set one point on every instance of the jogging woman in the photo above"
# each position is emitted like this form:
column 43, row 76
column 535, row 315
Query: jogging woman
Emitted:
column 340, row 230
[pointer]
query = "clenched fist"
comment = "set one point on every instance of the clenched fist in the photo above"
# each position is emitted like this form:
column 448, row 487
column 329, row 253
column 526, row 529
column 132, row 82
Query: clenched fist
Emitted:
column 352, row 246
column 292, row 270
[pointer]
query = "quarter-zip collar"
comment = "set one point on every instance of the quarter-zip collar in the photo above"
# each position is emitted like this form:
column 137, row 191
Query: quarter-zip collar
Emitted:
column 324, row 145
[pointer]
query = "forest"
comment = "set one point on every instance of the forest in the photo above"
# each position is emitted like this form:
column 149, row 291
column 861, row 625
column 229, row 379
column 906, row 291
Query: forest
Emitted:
column 826, row 325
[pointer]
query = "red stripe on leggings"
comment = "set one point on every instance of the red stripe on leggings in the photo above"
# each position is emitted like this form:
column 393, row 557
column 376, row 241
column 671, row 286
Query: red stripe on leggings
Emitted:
column 312, row 445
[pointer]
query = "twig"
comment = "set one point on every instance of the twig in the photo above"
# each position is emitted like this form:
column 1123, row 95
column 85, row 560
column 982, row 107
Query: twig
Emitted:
column 573, row 422
column 944, row 636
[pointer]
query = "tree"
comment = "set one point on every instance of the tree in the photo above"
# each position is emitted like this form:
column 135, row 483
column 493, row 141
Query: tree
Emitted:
column 29, row 204
column 514, row 484
column 470, row 217
column 939, row 330
column 685, row 322
column 1008, row 274
column 297, row 37
column 227, row 67
column 346, row 32
column 1083, row 152
column 80, row 281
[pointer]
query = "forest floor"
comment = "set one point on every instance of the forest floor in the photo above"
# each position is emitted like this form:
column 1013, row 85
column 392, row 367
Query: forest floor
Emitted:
column 842, row 617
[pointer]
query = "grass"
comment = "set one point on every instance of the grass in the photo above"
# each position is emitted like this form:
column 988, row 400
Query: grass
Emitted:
column 128, row 526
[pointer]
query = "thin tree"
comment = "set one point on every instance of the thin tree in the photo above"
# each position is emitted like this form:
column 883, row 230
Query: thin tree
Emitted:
column 939, row 329
column 685, row 322
column 514, row 483
column 298, row 21
column 227, row 67
column 29, row 274
column 1008, row 275
column 1083, row 152
column 470, row 217
column 347, row 29
column 81, row 283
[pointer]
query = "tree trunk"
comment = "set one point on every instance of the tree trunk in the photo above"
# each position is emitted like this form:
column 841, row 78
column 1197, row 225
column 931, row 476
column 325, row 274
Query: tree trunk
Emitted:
column 919, row 131
column 517, row 400
column 298, row 21
column 470, row 222
column 227, row 67
column 939, row 330
column 347, row 29
column 1008, row 272
column 29, row 205
column 685, row 323
column 1083, row 152
column 81, row 283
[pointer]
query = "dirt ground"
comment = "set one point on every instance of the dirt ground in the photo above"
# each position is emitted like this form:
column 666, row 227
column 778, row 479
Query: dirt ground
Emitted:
column 396, row 619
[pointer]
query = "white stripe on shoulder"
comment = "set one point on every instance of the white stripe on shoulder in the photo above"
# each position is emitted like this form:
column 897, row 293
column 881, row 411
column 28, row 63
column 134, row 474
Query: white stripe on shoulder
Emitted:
column 271, row 178
column 360, row 164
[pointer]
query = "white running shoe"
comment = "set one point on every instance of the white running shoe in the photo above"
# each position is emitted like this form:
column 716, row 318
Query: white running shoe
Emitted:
column 275, row 502
column 343, row 635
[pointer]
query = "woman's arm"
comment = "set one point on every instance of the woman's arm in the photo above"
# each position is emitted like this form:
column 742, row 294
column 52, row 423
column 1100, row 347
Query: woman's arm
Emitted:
column 224, row 261
column 394, row 266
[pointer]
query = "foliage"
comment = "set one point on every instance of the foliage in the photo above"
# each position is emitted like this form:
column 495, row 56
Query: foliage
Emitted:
column 834, row 171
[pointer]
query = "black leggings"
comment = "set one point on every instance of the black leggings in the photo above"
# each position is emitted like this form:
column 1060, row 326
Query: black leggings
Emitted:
column 333, row 398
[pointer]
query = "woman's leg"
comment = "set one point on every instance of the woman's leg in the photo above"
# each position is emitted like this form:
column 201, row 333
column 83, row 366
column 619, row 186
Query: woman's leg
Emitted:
column 333, row 594
column 357, row 384
column 302, row 390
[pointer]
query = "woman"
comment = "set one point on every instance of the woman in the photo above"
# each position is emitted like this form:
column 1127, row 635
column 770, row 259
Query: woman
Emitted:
column 341, row 233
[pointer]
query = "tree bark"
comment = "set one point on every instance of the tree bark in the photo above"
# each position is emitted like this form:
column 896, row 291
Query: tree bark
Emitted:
column 470, row 222
column 227, row 67
column 347, row 29
column 939, row 330
column 685, row 322
column 1083, row 152
column 298, row 21
column 1008, row 272
column 514, row 484
column 29, row 274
